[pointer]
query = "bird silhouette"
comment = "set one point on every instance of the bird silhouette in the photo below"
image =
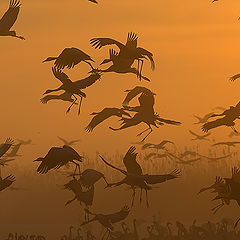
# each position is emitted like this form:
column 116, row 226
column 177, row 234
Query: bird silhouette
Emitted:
column 234, row 78
column 66, row 96
column 69, row 58
column 69, row 143
column 144, row 113
column 93, row 1
column 9, row 18
column 106, row 113
column 229, row 144
column 135, row 177
column 85, row 197
column 204, row 118
column 157, row 146
column 128, row 52
column 6, row 182
column 90, row 176
column 58, row 157
column 119, row 66
column 73, row 88
column 230, row 115
column 200, row 137
column 14, row 151
column 107, row 220
column 6, row 146
column 227, row 189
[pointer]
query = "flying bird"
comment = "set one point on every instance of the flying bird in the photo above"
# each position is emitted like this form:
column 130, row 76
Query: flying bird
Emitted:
column 134, row 176
column 73, row 88
column 69, row 58
column 106, row 113
column 119, row 66
column 229, row 116
column 128, row 52
column 6, row 146
column 6, row 182
column 69, row 143
column 159, row 146
column 204, row 118
column 234, row 78
column 9, row 18
column 229, row 144
column 66, row 96
column 144, row 114
column 200, row 137
column 58, row 157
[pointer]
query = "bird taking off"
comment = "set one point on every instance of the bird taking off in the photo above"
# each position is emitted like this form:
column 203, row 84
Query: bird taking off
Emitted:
column 69, row 58
column 58, row 157
column 229, row 116
column 106, row 113
column 9, row 18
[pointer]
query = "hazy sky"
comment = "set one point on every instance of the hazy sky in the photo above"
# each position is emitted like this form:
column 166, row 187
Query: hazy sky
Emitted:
column 195, row 46
column 196, row 49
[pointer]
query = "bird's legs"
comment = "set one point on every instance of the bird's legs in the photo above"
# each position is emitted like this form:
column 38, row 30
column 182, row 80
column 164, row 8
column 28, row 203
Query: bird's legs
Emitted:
column 236, row 223
column 75, row 99
column 77, row 167
column 20, row 37
column 80, row 104
column 147, row 198
column 140, row 76
column 107, row 232
column 141, row 196
column 133, row 196
column 149, row 128
column 234, row 129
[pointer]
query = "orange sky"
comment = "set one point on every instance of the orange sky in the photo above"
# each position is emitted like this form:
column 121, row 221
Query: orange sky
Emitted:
column 195, row 46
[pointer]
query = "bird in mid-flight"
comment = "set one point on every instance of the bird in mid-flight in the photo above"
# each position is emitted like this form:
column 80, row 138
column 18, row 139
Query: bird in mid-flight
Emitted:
column 9, row 18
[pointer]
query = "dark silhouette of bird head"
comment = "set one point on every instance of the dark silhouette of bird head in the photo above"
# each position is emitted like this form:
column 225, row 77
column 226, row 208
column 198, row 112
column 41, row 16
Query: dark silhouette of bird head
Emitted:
column 49, row 59
column 105, row 61
column 47, row 92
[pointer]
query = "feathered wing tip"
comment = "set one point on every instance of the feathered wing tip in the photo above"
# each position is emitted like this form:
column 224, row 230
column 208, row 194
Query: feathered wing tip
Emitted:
column 14, row 3
column 132, row 36
column 235, row 77
column 89, row 129
column 9, row 141
column 11, row 178
column 125, row 208
column 176, row 173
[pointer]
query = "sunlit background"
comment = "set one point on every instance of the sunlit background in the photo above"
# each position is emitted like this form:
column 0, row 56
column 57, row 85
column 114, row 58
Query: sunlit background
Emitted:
column 196, row 49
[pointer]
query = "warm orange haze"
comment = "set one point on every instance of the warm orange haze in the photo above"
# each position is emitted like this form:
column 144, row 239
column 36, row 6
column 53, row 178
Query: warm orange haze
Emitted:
column 189, row 50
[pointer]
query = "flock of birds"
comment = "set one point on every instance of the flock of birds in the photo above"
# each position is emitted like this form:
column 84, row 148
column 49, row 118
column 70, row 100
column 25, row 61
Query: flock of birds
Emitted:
column 82, row 183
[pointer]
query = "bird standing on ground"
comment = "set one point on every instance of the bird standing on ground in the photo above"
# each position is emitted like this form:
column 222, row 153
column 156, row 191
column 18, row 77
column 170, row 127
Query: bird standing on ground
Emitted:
column 9, row 18
column 58, row 157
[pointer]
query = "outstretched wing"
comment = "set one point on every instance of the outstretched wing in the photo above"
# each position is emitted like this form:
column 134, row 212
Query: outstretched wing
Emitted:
column 61, row 75
column 63, row 140
column 236, row 174
column 70, row 57
column 130, row 162
column 193, row 133
column 162, row 120
column 5, row 146
column 213, row 124
column 101, row 42
column 154, row 179
column 15, row 149
column 6, row 182
column 149, row 55
column 100, row 117
column 88, row 81
column 10, row 17
column 131, row 40
column 234, row 78
column 134, row 92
